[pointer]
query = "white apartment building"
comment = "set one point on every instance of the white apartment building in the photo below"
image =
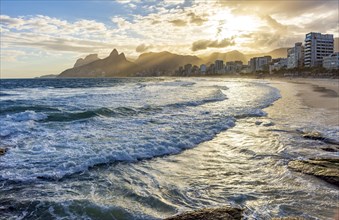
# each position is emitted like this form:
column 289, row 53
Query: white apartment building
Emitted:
column 331, row 61
column 317, row 46
column 295, row 56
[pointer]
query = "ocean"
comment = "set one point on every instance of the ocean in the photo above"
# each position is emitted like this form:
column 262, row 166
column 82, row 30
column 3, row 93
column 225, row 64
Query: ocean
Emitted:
column 148, row 148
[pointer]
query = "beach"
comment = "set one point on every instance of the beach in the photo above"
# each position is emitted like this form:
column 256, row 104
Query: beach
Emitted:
column 198, row 143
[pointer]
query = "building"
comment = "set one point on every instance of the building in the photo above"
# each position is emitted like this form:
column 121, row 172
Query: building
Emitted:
column 295, row 56
column 219, row 66
column 211, row 69
column 331, row 61
column 188, row 69
column 233, row 66
column 317, row 46
column 203, row 69
column 260, row 63
column 278, row 64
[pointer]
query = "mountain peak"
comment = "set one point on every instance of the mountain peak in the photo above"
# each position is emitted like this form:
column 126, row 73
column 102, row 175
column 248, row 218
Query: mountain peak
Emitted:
column 122, row 56
column 88, row 59
column 114, row 53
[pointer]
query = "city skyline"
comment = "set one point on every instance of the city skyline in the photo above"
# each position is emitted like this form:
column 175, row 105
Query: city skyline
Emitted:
column 40, row 38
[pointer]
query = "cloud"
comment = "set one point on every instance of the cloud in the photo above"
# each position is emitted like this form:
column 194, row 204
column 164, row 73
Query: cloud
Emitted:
column 285, row 8
column 195, row 19
column 178, row 22
column 142, row 48
column 11, row 55
column 204, row 44
column 274, row 23
column 173, row 2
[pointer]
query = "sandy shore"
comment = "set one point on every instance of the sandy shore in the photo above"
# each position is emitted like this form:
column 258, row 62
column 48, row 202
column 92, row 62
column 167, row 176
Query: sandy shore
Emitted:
column 321, row 95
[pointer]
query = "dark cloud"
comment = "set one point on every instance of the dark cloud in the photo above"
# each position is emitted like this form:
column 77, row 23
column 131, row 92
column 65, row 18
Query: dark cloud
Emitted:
column 142, row 48
column 204, row 44
column 178, row 22
column 323, row 24
column 282, row 7
column 274, row 23
column 195, row 19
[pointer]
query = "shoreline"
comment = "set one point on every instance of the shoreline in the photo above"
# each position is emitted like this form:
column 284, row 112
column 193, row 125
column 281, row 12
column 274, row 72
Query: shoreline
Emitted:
column 316, row 95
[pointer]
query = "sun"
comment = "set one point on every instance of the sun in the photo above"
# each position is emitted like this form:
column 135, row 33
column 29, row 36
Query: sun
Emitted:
column 223, row 24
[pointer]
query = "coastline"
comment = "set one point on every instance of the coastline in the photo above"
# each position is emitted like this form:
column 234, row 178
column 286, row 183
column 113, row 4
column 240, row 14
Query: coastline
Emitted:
column 301, row 101
column 315, row 94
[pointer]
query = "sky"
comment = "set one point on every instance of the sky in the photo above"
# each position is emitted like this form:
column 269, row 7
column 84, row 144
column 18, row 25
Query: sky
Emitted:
column 46, row 37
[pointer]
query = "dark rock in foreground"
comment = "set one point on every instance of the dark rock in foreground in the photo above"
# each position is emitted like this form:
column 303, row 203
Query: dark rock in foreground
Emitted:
column 323, row 168
column 289, row 218
column 3, row 151
column 222, row 213
column 330, row 149
column 319, row 137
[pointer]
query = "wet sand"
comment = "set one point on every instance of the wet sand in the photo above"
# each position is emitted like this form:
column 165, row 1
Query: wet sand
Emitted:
column 321, row 95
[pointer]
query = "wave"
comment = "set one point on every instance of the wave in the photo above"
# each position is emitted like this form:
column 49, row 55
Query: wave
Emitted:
column 100, row 112
column 4, row 94
column 27, row 116
column 216, row 97
column 23, row 108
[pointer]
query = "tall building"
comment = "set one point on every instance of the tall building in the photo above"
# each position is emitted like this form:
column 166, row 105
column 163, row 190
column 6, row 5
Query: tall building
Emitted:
column 317, row 46
column 295, row 56
column 331, row 61
column 260, row 63
column 188, row 69
column 219, row 66
column 203, row 69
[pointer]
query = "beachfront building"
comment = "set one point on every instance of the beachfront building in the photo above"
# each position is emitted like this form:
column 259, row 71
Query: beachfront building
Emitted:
column 203, row 69
column 331, row 61
column 260, row 63
column 219, row 66
column 233, row 66
column 278, row 64
column 295, row 56
column 317, row 46
column 188, row 69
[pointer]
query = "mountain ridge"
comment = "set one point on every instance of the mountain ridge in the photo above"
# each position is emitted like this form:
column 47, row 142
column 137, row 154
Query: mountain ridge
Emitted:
column 149, row 63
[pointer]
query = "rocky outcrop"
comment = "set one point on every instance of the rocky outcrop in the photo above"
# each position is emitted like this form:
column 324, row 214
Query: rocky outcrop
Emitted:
column 88, row 59
column 222, row 213
column 289, row 218
column 323, row 168
column 115, row 65
column 319, row 137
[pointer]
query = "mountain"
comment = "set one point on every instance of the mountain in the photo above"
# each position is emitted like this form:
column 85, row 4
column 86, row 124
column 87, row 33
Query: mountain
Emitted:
column 49, row 76
column 165, row 61
column 115, row 65
column 228, row 56
column 88, row 59
column 151, row 63
column 277, row 53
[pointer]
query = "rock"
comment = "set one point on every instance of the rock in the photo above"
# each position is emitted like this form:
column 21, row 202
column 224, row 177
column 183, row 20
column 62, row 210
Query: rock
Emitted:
column 330, row 149
column 319, row 137
column 323, row 168
column 289, row 218
column 3, row 151
column 314, row 136
column 268, row 123
column 258, row 122
column 222, row 213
